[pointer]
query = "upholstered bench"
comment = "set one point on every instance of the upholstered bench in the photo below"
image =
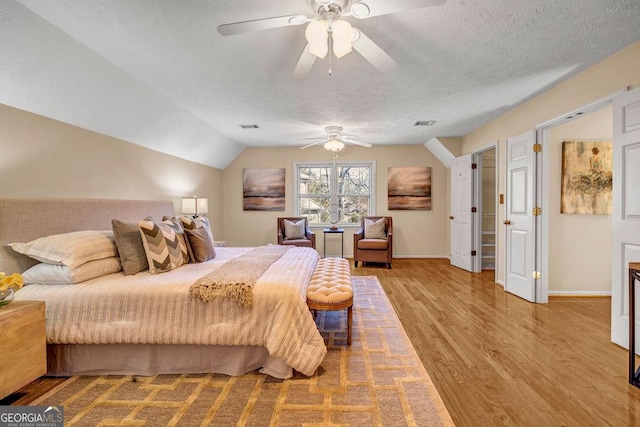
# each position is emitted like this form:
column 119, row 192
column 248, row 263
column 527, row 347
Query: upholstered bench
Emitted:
column 330, row 288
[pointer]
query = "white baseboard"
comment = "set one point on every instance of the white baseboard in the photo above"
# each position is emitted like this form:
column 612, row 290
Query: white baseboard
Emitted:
column 500, row 282
column 579, row 293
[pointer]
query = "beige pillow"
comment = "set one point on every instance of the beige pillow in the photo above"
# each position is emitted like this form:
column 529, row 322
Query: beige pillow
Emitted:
column 374, row 229
column 51, row 274
column 294, row 230
column 70, row 249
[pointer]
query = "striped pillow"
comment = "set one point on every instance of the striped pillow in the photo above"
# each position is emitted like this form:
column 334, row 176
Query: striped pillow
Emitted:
column 70, row 249
column 164, row 244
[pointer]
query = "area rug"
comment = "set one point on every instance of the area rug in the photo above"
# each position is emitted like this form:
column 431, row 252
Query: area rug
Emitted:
column 377, row 381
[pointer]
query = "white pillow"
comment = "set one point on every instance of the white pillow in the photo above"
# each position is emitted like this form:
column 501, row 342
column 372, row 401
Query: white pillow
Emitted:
column 70, row 249
column 51, row 274
column 374, row 229
column 294, row 230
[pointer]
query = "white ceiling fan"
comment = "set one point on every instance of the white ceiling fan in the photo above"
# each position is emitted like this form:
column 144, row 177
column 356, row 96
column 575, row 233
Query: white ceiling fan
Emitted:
column 327, row 31
column 334, row 141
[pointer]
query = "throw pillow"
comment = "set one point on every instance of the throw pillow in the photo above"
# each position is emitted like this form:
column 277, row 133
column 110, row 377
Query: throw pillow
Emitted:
column 203, row 251
column 294, row 230
column 164, row 244
column 51, row 274
column 70, row 249
column 201, row 244
column 130, row 247
column 374, row 229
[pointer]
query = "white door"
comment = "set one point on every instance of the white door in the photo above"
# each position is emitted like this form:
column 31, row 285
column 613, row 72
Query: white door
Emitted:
column 520, row 222
column 626, row 211
column 461, row 203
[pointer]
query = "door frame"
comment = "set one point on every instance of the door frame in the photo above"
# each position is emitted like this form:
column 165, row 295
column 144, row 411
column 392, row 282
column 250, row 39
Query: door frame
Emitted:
column 477, row 202
column 543, row 132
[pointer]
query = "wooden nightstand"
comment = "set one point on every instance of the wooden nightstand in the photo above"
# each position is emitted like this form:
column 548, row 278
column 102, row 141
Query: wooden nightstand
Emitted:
column 23, row 345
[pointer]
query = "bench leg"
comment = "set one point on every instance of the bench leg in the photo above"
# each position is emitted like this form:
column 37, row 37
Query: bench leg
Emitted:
column 349, row 320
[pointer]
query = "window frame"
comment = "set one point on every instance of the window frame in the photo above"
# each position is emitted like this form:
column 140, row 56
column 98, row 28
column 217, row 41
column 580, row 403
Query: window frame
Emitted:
column 333, row 195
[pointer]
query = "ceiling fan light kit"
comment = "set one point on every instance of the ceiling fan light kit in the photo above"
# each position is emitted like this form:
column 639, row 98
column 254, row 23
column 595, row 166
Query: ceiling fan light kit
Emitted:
column 334, row 145
column 335, row 140
column 328, row 21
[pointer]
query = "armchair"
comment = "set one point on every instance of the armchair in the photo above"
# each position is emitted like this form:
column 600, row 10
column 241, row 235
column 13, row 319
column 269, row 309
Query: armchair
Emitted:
column 374, row 241
column 291, row 232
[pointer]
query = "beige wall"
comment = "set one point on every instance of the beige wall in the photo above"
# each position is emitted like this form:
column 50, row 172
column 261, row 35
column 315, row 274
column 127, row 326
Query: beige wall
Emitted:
column 416, row 233
column 618, row 71
column 40, row 157
column 579, row 245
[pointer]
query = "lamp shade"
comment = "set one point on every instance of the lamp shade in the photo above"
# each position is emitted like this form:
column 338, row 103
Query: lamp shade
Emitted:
column 195, row 205
column 342, row 34
column 317, row 33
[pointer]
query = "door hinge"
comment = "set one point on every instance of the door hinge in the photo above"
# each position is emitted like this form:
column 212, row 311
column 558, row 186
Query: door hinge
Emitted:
column 474, row 209
column 473, row 253
column 537, row 211
column 536, row 275
column 537, row 148
column 474, row 166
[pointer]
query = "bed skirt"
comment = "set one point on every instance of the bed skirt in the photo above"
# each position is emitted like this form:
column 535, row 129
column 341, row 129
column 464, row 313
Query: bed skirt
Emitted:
column 151, row 359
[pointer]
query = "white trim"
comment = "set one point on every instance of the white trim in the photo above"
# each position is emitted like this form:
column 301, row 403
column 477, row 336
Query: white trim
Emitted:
column 500, row 282
column 334, row 163
column 580, row 293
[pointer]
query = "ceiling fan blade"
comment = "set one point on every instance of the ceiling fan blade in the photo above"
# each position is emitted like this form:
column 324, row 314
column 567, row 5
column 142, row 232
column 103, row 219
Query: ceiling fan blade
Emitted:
column 261, row 24
column 356, row 142
column 373, row 53
column 314, row 143
column 304, row 65
column 369, row 8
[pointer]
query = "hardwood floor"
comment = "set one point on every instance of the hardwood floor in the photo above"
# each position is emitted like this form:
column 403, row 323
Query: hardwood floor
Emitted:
column 497, row 359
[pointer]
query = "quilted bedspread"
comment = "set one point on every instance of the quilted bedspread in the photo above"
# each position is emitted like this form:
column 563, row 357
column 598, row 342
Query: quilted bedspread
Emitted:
column 157, row 309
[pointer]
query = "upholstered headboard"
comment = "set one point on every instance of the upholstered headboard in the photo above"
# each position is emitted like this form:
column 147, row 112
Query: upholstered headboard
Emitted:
column 22, row 220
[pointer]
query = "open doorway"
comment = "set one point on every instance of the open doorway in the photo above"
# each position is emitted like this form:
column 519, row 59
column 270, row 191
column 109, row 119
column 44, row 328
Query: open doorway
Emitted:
column 485, row 202
column 579, row 244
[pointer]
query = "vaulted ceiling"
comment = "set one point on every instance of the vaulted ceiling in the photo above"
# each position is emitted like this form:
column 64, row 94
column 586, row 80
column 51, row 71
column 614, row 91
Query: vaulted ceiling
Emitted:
column 157, row 72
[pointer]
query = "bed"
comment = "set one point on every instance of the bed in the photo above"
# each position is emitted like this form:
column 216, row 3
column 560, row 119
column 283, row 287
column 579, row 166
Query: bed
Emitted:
column 146, row 324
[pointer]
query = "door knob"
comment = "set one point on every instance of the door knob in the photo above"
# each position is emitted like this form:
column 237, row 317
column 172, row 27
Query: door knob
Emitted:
column 506, row 222
column 451, row 217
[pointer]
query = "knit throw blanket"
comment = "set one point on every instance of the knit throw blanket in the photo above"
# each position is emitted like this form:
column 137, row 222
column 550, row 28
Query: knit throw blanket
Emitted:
column 235, row 278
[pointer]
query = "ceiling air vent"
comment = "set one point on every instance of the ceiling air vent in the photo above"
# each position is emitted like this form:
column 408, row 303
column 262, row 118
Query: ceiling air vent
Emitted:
column 425, row 123
column 249, row 126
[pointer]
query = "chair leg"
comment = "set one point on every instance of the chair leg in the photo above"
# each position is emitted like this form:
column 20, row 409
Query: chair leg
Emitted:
column 355, row 264
column 389, row 265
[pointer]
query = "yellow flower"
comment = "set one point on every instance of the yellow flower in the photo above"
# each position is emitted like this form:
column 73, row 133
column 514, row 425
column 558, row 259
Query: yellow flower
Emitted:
column 13, row 281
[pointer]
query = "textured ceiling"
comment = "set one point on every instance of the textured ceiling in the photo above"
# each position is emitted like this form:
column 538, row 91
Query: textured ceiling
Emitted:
column 158, row 74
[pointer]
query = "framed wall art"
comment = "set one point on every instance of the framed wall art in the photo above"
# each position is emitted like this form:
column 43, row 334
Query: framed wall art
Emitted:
column 587, row 177
column 409, row 188
column 263, row 189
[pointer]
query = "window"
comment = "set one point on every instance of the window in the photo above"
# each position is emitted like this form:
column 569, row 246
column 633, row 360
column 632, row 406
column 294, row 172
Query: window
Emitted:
column 340, row 192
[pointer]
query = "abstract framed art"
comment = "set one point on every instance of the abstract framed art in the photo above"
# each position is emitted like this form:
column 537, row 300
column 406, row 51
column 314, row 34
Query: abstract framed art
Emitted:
column 409, row 188
column 263, row 189
column 587, row 178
